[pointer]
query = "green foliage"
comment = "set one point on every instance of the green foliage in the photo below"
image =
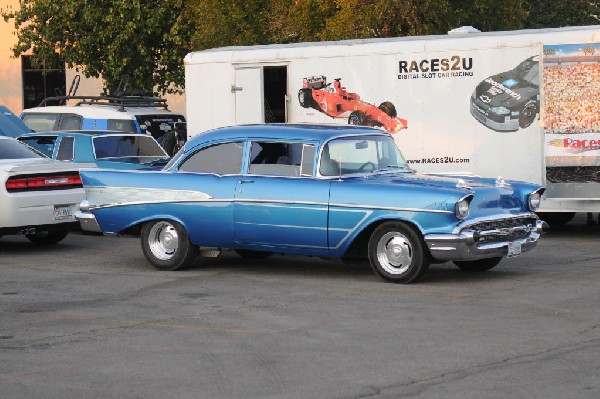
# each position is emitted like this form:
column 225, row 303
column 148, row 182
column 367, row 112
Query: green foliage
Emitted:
column 140, row 42
column 144, row 41
column 557, row 13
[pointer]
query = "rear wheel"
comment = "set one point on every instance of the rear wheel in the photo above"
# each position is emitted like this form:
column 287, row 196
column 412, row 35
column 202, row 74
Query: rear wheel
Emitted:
column 167, row 246
column 388, row 108
column 357, row 118
column 304, row 96
column 480, row 265
column 47, row 237
column 397, row 253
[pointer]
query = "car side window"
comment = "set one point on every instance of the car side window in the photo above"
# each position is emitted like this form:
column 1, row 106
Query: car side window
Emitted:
column 45, row 145
column 69, row 122
column 281, row 159
column 220, row 159
column 65, row 149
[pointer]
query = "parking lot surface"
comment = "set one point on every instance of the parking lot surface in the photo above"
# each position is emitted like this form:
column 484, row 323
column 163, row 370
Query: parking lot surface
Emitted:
column 90, row 317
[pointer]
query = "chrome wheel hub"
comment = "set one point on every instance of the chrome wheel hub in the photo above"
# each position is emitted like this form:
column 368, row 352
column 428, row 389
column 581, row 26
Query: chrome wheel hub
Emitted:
column 394, row 253
column 163, row 240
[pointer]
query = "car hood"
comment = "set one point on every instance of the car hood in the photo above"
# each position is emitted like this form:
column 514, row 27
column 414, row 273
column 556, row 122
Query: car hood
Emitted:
column 504, row 89
column 436, row 192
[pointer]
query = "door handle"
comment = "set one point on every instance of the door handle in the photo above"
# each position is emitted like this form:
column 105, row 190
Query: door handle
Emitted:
column 245, row 181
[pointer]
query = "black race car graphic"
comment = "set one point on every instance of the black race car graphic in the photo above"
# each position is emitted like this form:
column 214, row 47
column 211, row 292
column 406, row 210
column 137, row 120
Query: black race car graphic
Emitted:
column 509, row 100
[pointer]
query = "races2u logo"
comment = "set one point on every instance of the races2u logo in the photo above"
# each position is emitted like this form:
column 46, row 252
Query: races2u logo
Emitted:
column 454, row 66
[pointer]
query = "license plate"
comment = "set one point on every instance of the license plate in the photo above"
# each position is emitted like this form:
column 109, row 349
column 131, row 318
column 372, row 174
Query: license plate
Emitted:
column 62, row 212
column 514, row 248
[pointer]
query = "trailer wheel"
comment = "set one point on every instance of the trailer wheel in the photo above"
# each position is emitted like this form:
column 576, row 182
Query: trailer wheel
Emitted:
column 357, row 118
column 304, row 96
column 388, row 108
column 527, row 115
column 556, row 218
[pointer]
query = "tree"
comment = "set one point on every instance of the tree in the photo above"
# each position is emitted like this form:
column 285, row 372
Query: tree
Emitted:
column 138, row 42
column 557, row 13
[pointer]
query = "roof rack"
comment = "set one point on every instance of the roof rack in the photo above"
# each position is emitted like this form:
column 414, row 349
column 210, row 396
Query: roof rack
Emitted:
column 120, row 102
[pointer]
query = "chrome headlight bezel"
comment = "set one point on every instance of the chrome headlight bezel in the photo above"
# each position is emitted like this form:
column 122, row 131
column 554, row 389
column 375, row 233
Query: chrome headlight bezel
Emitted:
column 462, row 207
column 534, row 199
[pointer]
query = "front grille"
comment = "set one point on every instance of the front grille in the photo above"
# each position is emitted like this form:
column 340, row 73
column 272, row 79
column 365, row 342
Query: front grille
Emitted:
column 510, row 229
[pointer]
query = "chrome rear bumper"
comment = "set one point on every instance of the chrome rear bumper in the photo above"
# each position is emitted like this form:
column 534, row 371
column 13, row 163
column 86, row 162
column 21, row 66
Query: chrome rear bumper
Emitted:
column 87, row 222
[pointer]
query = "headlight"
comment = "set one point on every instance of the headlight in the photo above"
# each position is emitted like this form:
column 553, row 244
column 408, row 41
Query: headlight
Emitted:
column 535, row 198
column 500, row 110
column 461, row 209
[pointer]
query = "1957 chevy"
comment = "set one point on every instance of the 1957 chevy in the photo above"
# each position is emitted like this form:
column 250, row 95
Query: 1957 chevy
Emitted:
column 330, row 191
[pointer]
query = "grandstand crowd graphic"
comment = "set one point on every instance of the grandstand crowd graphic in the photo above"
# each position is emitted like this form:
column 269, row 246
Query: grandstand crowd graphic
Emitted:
column 571, row 114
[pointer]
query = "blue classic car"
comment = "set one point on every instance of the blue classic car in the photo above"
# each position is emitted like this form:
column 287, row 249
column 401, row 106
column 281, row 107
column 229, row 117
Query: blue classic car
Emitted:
column 111, row 150
column 330, row 191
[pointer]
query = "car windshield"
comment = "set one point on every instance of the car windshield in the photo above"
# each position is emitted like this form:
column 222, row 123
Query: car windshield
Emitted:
column 127, row 146
column 527, row 70
column 13, row 149
column 368, row 154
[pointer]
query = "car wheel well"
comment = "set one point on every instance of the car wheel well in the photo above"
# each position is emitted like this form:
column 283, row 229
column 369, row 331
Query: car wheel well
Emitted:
column 360, row 245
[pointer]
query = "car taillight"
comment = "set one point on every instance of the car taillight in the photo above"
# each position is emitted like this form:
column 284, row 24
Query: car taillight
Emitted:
column 43, row 182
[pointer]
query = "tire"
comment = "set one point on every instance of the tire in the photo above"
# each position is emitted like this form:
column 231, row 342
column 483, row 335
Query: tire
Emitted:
column 397, row 253
column 304, row 97
column 555, row 219
column 166, row 245
column 357, row 118
column 480, row 265
column 388, row 108
column 47, row 237
column 251, row 254
column 528, row 115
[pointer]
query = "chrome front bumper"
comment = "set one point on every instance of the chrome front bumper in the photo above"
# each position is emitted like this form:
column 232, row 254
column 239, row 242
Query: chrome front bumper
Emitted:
column 470, row 245
column 87, row 222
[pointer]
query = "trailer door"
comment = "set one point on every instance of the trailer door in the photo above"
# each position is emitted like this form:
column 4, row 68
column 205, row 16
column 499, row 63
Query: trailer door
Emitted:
column 249, row 98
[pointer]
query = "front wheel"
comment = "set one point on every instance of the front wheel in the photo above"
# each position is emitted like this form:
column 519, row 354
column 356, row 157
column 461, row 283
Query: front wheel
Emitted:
column 167, row 246
column 480, row 265
column 47, row 237
column 397, row 253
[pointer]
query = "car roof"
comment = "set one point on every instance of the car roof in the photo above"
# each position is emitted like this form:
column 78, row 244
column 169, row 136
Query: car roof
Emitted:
column 83, row 133
column 99, row 111
column 281, row 132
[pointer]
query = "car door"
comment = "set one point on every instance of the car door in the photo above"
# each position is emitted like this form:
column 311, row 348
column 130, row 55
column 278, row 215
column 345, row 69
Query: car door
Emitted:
column 280, row 203
column 211, row 173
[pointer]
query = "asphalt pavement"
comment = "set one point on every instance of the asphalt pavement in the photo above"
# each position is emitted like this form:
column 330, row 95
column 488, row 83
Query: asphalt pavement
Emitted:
column 90, row 318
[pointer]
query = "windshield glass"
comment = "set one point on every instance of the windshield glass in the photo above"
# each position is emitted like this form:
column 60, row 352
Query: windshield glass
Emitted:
column 127, row 146
column 13, row 149
column 360, row 155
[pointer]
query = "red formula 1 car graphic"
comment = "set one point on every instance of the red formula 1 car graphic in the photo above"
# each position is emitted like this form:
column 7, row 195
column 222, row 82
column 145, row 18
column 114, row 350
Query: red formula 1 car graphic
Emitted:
column 334, row 101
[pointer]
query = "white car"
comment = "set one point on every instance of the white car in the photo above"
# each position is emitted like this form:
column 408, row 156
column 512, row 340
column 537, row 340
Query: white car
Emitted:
column 38, row 196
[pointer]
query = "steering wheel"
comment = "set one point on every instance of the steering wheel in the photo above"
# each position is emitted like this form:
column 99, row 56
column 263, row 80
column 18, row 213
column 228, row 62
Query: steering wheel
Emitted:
column 366, row 165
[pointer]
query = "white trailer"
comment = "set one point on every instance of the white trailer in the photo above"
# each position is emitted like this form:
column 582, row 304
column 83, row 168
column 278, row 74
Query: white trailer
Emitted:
column 524, row 105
